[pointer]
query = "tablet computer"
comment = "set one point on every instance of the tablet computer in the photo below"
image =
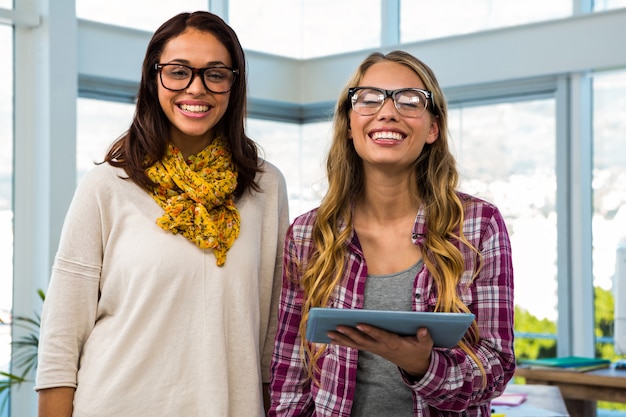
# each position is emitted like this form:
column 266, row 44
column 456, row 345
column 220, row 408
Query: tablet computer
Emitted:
column 446, row 329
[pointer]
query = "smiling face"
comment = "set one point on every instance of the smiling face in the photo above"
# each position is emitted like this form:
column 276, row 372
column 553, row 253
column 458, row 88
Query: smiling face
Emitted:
column 194, row 111
column 387, row 139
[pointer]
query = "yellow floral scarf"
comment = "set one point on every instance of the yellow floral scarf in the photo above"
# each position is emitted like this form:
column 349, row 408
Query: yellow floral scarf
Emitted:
column 197, row 196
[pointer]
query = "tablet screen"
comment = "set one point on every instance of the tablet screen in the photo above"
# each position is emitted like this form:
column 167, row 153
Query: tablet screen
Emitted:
column 446, row 329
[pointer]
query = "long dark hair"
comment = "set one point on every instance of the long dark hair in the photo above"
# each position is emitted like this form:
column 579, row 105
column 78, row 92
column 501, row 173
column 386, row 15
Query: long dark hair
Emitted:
column 146, row 140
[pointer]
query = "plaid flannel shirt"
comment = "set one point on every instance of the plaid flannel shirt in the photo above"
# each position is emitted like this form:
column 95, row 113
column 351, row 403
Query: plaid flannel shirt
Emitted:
column 452, row 385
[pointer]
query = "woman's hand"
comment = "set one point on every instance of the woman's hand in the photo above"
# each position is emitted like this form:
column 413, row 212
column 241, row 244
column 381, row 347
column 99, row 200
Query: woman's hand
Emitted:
column 411, row 353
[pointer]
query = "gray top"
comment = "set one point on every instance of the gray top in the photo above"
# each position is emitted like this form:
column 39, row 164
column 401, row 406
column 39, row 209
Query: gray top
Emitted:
column 380, row 390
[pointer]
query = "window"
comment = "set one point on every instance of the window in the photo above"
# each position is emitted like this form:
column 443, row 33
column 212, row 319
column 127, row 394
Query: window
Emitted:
column 600, row 5
column 139, row 14
column 99, row 123
column 421, row 20
column 6, row 199
column 306, row 28
column 609, row 189
column 507, row 154
column 299, row 151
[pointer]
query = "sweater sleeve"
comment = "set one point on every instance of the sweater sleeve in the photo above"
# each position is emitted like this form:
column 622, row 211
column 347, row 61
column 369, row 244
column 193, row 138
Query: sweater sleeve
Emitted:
column 69, row 311
column 279, row 222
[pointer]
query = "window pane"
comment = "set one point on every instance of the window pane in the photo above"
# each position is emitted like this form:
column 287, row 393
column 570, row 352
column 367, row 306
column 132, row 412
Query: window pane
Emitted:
column 6, row 192
column 99, row 123
column 139, row 14
column 299, row 151
column 506, row 155
column 316, row 139
column 306, row 28
column 420, row 20
column 609, row 190
column 600, row 5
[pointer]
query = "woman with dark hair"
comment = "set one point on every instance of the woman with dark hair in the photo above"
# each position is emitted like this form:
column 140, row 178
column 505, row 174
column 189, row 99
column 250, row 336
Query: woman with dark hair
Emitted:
column 394, row 233
column 163, row 293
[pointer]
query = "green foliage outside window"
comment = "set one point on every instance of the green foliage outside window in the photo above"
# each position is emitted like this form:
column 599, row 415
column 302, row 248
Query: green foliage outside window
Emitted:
column 24, row 355
column 541, row 340
column 534, row 347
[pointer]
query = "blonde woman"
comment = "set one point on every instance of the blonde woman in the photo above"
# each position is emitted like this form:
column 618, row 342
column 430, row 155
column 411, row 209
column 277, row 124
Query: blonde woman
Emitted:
column 394, row 233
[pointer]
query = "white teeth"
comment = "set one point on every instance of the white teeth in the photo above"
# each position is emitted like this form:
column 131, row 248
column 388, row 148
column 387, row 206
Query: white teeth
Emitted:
column 194, row 109
column 387, row 135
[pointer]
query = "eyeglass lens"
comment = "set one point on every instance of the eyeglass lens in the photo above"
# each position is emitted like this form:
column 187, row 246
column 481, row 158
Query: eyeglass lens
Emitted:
column 178, row 77
column 409, row 102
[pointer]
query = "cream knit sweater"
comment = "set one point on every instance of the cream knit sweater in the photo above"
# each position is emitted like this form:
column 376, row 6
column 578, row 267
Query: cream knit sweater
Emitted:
column 143, row 323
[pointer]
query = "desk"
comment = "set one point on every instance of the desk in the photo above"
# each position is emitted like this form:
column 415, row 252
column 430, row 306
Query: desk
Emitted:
column 581, row 390
column 546, row 397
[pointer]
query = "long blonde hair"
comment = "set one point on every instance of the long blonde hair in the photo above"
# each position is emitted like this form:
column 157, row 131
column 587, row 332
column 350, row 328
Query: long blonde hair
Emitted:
column 437, row 180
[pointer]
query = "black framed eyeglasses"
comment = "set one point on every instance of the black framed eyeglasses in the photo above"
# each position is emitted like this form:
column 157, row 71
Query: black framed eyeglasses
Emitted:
column 410, row 102
column 177, row 77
